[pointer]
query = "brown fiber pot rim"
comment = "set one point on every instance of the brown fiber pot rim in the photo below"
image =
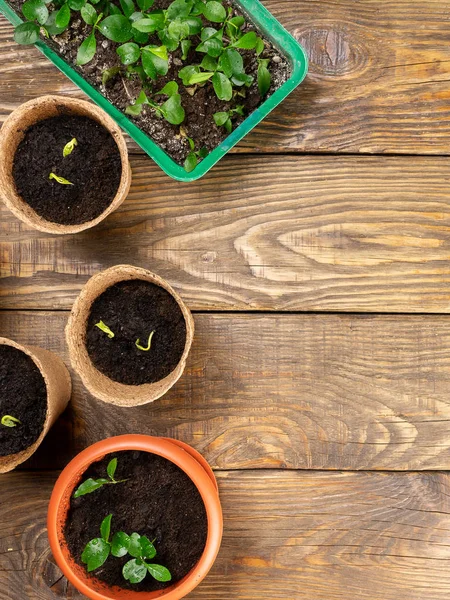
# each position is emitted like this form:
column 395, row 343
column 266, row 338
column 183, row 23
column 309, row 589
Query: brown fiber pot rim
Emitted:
column 182, row 455
column 12, row 133
column 58, row 395
column 99, row 384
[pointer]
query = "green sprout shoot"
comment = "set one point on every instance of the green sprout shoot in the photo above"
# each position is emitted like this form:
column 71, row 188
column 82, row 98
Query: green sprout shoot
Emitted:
column 149, row 343
column 138, row 546
column 105, row 329
column 59, row 179
column 9, row 421
column 90, row 485
column 69, row 147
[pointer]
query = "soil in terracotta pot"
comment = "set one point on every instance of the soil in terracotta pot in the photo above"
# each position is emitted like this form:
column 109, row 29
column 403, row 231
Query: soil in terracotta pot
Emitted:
column 94, row 169
column 23, row 395
column 132, row 310
column 158, row 500
column 199, row 102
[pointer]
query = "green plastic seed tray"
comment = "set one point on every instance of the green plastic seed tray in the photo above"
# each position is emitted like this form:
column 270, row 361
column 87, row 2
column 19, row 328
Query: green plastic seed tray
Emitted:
column 286, row 44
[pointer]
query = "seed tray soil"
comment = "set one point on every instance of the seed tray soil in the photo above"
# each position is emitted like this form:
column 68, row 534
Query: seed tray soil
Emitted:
column 122, row 91
column 23, row 395
column 132, row 310
column 159, row 500
column 94, row 168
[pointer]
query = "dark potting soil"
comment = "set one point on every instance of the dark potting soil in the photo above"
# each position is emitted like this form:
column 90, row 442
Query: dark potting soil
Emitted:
column 158, row 500
column 94, row 168
column 132, row 310
column 23, row 395
column 122, row 90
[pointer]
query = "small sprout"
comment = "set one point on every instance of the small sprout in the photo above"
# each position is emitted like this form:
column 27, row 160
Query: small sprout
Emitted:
column 105, row 329
column 192, row 158
column 59, row 179
column 69, row 147
column 97, row 550
column 9, row 421
column 90, row 485
column 149, row 343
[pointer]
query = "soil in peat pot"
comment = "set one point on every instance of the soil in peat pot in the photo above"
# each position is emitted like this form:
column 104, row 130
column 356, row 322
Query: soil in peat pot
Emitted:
column 23, row 395
column 158, row 500
column 132, row 310
column 200, row 102
column 94, row 168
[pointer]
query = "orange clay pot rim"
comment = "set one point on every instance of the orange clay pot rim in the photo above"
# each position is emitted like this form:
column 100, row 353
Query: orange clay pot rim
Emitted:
column 171, row 450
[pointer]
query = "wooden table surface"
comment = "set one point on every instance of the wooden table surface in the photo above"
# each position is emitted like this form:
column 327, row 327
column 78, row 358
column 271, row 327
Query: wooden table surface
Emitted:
column 316, row 260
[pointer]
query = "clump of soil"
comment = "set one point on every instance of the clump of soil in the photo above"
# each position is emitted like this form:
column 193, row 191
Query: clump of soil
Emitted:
column 132, row 310
column 23, row 395
column 158, row 500
column 94, row 167
column 123, row 89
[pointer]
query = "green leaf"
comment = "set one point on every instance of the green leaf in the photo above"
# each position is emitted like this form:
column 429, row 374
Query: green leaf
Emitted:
column 159, row 572
column 120, row 544
column 264, row 79
column 50, row 25
column 105, row 528
column 169, row 89
column 69, row 147
column 128, row 7
column 186, row 73
column 63, row 16
column 209, row 32
column 222, row 87
column 159, row 51
column 86, row 51
column 134, row 547
column 191, row 162
column 259, row 46
column 134, row 110
column 178, row 30
column 60, row 180
column 153, row 62
column 234, row 26
column 129, row 53
column 88, row 486
column 111, row 468
column 149, row 24
column 199, row 78
column 103, row 327
column 231, row 62
column 203, row 152
column 220, row 118
column 145, row 4
column 173, row 113
column 76, row 4
column 148, row 550
column 108, row 74
column 214, row 12
column 195, row 25
column 26, row 33
column 134, row 571
column 9, row 421
column 242, row 79
column 113, row 9
column 89, row 14
column 140, row 38
column 247, row 42
column 212, row 46
column 116, row 28
column 228, row 126
column 209, row 63
column 95, row 553
column 35, row 10
column 179, row 8
column 185, row 47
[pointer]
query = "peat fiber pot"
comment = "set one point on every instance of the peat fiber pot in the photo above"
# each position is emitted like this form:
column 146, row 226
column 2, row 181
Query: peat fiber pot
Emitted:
column 100, row 385
column 58, row 386
column 13, row 132
column 183, row 456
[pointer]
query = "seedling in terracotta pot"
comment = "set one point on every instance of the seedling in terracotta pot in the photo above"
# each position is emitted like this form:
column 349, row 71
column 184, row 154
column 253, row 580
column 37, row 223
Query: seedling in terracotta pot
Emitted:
column 34, row 389
column 90, row 485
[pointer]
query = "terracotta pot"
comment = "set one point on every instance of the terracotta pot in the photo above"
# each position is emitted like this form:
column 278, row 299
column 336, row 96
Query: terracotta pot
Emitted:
column 13, row 132
column 185, row 457
column 59, row 388
column 101, row 386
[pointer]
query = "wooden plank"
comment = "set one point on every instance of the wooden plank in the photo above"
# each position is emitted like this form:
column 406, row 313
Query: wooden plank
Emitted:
column 284, row 391
column 328, row 536
column 378, row 78
column 365, row 234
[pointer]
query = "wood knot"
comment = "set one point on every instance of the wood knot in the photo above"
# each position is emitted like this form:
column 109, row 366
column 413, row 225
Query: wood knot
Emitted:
column 332, row 52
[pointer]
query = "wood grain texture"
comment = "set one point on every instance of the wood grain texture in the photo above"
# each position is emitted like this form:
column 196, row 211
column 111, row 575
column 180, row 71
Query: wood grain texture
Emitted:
column 285, row 391
column 328, row 536
column 367, row 234
column 378, row 82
